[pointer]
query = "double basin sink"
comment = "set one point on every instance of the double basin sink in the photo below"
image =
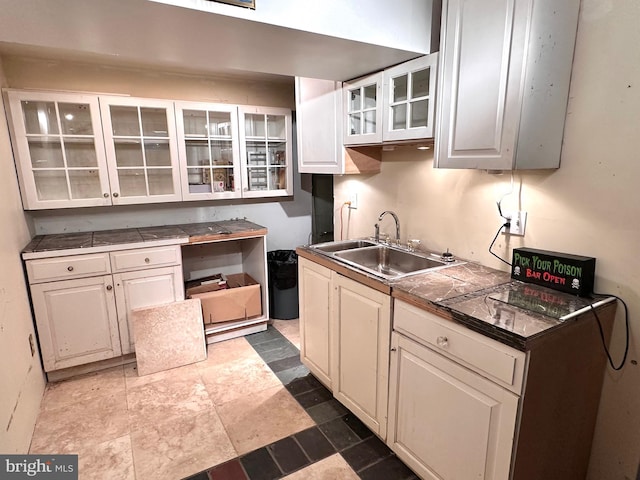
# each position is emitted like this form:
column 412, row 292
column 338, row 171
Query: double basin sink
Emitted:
column 381, row 260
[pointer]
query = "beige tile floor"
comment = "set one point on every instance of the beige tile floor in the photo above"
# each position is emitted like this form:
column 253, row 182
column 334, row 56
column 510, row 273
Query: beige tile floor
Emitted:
column 175, row 423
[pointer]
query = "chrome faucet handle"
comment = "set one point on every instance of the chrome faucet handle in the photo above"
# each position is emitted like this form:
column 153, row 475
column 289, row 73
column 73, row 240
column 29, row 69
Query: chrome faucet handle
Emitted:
column 413, row 244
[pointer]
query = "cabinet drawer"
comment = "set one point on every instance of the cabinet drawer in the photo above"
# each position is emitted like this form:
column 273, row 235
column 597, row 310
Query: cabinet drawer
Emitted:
column 491, row 359
column 64, row 268
column 145, row 258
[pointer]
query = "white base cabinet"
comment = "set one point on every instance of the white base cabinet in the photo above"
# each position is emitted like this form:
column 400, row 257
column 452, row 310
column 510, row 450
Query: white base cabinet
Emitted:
column 82, row 302
column 141, row 289
column 314, row 284
column 76, row 320
column 344, row 340
column 445, row 421
column 360, row 342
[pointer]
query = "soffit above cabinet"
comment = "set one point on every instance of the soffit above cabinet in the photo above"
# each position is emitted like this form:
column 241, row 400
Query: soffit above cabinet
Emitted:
column 334, row 39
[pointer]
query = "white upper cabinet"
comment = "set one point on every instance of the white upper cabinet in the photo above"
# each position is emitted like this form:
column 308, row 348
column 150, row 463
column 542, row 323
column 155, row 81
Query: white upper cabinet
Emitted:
column 504, row 83
column 409, row 99
column 363, row 110
column 142, row 150
column 265, row 151
column 59, row 149
column 209, row 150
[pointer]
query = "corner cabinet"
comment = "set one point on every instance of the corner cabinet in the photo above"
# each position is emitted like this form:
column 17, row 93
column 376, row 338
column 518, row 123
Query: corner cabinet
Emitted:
column 209, row 148
column 315, row 292
column 59, row 149
column 319, row 127
column 265, row 152
column 504, row 83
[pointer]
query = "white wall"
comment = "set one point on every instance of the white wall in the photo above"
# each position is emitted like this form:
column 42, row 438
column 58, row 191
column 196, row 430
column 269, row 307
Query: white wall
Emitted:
column 288, row 219
column 590, row 206
column 21, row 377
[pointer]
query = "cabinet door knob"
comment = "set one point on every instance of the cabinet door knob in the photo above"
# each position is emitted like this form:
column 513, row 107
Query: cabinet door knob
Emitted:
column 146, row 260
column 393, row 349
column 116, row 194
column 105, row 195
column 70, row 268
column 109, row 287
column 442, row 342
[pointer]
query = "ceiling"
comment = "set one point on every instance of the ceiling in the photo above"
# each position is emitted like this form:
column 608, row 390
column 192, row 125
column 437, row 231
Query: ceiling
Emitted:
column 152, row 34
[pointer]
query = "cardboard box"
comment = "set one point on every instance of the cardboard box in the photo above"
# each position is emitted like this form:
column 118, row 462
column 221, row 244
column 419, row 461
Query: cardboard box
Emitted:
column 206, row 284
column 241, row 300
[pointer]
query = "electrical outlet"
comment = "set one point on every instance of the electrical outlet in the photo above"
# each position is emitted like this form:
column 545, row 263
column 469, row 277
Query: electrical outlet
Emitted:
column 353, row 198
column 518, row 222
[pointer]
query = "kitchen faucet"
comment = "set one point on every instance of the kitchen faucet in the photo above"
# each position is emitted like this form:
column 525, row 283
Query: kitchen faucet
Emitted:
column 395, row 217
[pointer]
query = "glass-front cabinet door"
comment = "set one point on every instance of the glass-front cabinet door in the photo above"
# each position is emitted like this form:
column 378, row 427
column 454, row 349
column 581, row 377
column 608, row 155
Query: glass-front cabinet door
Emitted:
column 209, row 150
column 142, row 153
column 363, row 109
column 409, row 99
column 265, row 151
column 59, row 149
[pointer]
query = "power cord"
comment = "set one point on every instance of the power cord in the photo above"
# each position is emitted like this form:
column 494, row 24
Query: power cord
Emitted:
column 604, row 343
column 505, row 225
column 341, row 209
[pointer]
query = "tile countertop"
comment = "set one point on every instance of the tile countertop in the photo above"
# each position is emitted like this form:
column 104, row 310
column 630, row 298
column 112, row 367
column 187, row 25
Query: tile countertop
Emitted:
column 483, row 299
column 178, row 234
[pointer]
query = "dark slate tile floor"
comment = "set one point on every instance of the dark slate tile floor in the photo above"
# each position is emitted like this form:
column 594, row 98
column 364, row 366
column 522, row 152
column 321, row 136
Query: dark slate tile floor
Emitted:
column 337, row 429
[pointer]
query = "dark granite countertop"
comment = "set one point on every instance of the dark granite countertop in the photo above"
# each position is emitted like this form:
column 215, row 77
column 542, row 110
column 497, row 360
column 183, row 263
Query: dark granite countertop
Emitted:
column 186, row 233
column 483, row 299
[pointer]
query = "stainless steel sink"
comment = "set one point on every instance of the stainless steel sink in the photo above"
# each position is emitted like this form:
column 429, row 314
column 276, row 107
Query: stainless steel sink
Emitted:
column 387, row 262
column 331, row 247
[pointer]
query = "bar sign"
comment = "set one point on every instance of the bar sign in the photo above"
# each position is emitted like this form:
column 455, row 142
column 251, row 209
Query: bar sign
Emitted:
column 559, row 271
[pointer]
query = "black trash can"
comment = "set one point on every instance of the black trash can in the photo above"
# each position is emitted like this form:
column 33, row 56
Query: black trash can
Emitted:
column 283, row 284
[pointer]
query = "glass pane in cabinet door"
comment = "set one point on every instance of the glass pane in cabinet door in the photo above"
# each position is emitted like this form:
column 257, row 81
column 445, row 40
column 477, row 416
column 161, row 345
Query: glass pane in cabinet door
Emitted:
column 161, row 181
column 277, row 154
column 419, row 113
column 369, row 121
column 46, row 153
column 85, row 184
column 254, row 126
column 198, row 179
column 154, row 122
column 197, row 152
column 125, row 121
column 420, row 83
column 222, row 152
column 51, row 184
column 399, row 89
column 195, row 122
column 132, row 182
column 40, row 117
column 219, row 124
column 128, row 153
column 157, row 153
column 80, row 152
column 355, row 100
column 222, row 180
column 370, row 92
column 276, row 126
column 256, row 154
column 257, row 178
column 75, row 118
column 278, row 178
column 399, row 116
column 354, row 124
